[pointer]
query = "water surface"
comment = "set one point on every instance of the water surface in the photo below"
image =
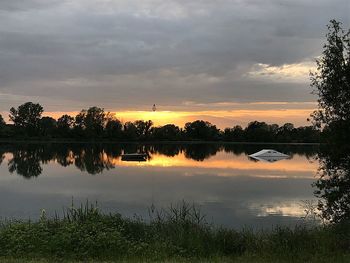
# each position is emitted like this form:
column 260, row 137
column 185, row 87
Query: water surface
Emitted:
column 231, row 188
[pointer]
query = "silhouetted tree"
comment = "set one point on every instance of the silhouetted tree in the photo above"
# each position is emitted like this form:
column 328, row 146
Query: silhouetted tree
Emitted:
column 64, row 125
column 143, row 129
column 114, row 129
column 47, row 126
column 331, row 81
column 201, row 130
column 79, row 125
column 286, row 133
column 307, row 134
column 90, row 123
column 94, row 121
column 258, row 132
column 27, row 116
column 235, row 134
column 130, row 131
column 167, row 132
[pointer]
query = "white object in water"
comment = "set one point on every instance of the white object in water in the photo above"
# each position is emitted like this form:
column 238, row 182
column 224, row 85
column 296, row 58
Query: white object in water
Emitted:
column 269, row 155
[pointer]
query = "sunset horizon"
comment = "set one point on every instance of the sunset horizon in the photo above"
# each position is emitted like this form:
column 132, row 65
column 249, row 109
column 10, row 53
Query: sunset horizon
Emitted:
column 174, row 131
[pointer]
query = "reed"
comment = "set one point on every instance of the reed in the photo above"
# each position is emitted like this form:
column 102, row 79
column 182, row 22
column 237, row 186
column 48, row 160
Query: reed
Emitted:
column 179, row 233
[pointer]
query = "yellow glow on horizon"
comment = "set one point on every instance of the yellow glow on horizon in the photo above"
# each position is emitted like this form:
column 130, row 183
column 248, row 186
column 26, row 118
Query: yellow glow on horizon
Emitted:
column 220, row 118
column 158, row 117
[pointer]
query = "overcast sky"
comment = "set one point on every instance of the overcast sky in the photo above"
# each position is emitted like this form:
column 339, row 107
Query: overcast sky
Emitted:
column 183, row 55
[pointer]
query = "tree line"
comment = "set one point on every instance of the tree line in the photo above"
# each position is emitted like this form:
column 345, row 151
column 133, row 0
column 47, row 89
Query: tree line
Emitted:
column 94, row 123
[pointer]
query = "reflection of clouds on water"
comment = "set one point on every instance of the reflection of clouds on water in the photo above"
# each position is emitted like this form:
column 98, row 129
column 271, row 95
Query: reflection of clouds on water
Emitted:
column 225, row 185
column 290, row 208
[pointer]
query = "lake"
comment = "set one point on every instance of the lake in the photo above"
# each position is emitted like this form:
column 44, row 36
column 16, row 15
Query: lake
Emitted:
column 232, row 189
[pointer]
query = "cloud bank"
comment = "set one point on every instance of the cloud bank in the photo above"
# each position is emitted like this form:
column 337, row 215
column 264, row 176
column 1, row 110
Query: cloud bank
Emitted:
column 125, row 55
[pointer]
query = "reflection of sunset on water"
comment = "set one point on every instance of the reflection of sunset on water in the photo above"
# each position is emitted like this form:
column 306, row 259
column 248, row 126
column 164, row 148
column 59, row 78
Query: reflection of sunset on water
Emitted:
column 220, row 177
column 226, row 161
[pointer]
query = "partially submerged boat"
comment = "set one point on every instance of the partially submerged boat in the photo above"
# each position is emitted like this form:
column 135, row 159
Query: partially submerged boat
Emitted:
column 269, row 155
column 134, row 157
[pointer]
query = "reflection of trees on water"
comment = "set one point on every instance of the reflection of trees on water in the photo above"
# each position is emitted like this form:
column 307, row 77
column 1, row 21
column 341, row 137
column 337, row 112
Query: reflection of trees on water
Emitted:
column 93, row 160
column 200, row 152
column 26, row 162
column 27, row 159
column 333, row 185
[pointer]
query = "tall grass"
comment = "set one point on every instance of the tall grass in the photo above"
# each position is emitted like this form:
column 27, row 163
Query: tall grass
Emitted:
column 179, row 232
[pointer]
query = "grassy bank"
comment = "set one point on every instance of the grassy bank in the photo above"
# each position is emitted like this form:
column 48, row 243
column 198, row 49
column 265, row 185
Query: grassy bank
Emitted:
column 178, row 234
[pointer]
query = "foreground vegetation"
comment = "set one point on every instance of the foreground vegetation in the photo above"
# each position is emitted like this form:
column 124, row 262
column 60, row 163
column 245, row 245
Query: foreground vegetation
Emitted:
column 177, row 234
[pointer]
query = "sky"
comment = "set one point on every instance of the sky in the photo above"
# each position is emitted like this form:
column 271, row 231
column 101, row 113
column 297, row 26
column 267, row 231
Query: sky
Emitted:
column 228, row 62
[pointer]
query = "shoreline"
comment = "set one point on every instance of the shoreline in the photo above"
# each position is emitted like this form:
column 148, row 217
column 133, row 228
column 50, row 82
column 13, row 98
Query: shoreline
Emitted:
column 74, row 141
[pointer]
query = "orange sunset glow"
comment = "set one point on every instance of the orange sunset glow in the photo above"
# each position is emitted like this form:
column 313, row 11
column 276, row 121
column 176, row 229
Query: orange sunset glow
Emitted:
column 221, row 118
column 226, row 165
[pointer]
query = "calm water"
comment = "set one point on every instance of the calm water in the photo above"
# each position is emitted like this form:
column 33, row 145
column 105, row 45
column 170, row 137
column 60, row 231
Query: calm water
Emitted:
column 232, row 189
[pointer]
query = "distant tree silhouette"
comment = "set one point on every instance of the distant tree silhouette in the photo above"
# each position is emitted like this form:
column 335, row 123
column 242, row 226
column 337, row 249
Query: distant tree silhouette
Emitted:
column 168, row 132
column 235, row 134
column 143, row 128
column 114, row 129
column 27, row 116
column 94, row 121
column 90, row 123
column 258, row 132
column 47, row 126
column 130, row 131
column 64, row 125
column 201, row 130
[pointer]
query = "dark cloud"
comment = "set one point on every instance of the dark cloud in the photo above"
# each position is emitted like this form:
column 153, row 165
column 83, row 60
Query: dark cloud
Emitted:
column 169, row 51
column 18, row 5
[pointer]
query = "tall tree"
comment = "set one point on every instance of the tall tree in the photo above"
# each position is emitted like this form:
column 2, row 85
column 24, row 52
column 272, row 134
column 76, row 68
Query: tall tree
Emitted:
column 331, row 81
column 91, row 122
column 167, row 132
column 114, row 128
column 201, row 130
column 143, row 128
column 130, row 131
column 64, row 125
column 94, row 121
column 27, row 116
column 47, row 126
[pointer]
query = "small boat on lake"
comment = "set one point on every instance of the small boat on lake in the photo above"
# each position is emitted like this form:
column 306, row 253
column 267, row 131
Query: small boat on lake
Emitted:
column 269, row 155
column 134, row 157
